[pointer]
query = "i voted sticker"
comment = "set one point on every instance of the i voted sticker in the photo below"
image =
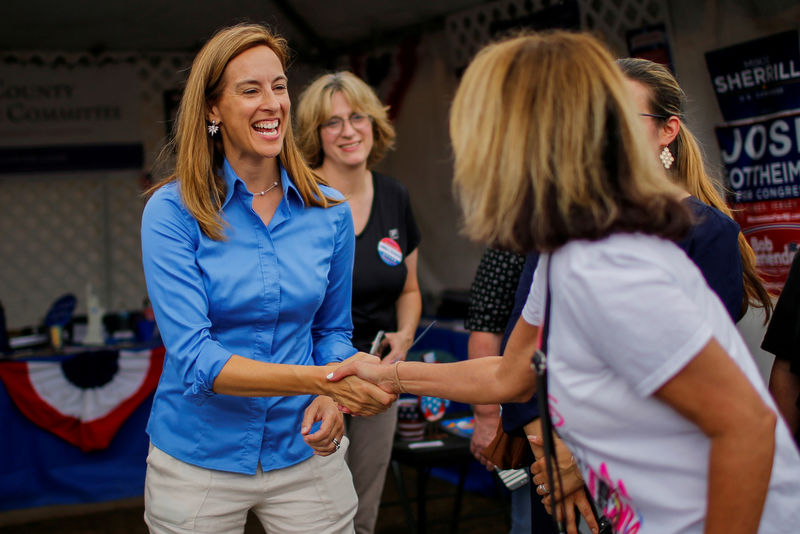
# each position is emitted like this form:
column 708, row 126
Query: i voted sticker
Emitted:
column 389, row 251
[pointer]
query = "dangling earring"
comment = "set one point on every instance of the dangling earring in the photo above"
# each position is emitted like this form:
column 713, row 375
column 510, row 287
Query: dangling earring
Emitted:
column 667, row 159
column 213, row 128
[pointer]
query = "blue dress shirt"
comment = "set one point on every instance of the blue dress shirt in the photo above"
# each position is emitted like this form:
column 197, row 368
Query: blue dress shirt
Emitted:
column 278, row 293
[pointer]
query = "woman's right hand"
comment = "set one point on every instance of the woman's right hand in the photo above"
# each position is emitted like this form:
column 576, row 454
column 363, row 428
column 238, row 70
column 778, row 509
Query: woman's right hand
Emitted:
column 356, row 393
column 369, row 369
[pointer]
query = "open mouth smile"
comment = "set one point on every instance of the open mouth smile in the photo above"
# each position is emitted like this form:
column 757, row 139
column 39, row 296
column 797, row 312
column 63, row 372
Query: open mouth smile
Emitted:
column 267, row 128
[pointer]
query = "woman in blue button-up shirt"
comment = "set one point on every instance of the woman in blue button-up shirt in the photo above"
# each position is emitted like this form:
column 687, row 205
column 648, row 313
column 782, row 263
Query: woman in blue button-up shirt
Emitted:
column 248, row 260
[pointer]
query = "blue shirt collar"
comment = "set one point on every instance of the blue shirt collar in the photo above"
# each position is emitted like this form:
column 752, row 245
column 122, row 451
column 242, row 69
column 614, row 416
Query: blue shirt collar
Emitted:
column 290, row 191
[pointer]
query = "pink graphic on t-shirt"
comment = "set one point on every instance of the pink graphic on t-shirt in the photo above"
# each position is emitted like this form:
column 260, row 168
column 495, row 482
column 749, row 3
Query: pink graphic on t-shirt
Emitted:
column 613, row 501
column 555, row 415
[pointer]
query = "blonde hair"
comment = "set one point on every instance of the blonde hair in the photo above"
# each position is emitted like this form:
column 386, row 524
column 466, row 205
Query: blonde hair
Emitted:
column 314, row 108
column 547, row 149
column 198, row 157
column 667, row 99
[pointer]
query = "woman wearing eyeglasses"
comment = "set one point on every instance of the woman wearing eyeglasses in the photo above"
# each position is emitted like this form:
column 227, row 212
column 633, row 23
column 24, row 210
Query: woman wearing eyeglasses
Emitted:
column 343, row 130
column 714, row 243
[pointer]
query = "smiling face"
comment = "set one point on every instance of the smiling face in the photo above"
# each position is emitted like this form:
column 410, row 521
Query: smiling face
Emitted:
column 253, row 108
column 349, row 147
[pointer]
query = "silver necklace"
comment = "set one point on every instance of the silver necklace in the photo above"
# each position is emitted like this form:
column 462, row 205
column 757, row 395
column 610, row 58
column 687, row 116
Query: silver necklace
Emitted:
column 267, row 190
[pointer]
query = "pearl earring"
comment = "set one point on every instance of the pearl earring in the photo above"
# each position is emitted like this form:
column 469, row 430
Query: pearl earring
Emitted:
column 213, row 128
column 667, row 159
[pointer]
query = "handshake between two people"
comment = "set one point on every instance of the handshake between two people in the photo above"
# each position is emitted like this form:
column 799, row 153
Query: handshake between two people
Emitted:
column 347, row 389
column 363, row 384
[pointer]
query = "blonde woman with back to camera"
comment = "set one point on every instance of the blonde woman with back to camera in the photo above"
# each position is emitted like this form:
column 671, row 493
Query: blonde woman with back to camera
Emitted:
column 714, row 241
column 343, row 131
column 650, row 383
column 248, row 259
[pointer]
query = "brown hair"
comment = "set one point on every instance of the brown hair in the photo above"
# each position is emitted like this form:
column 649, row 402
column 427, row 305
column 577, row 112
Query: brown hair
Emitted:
column 198, row 157
column 667, row 99
column 314, row 108
column 547, row 149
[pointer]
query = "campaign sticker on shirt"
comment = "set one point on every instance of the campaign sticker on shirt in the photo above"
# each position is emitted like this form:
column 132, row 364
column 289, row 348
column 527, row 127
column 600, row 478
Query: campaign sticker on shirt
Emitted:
column 389, row 251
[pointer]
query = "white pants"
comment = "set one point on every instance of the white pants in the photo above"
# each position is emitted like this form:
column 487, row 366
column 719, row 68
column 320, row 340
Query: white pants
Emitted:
column 316, row 496
column 371, row 440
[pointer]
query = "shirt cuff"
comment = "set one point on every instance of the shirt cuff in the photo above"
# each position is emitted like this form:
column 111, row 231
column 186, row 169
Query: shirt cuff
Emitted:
column 332, row 350
column 208, row 366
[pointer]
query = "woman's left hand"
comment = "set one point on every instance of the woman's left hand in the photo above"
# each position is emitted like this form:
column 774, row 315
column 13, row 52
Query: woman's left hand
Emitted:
column 565, row 512
column 327, row 439
column 398, row 343
column 569, row 473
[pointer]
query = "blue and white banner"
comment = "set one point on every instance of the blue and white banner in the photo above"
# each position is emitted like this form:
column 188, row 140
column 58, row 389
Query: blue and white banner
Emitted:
column 762, row 161
column 758, row 77
column 762, row 158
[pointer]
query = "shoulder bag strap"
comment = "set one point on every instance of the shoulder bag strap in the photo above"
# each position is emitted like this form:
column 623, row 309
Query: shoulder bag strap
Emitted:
column 540, row 366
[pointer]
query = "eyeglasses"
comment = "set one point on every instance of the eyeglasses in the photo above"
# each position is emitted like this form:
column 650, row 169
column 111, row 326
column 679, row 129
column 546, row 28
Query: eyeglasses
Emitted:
column 653, row 115
column 335, row 125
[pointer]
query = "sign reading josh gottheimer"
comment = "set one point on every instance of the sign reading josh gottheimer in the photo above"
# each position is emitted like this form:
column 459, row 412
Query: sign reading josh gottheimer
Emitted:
column 762, row 159
column 758, row 86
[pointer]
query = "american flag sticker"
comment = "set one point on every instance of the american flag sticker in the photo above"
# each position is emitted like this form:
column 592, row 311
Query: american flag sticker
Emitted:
column 433, row 408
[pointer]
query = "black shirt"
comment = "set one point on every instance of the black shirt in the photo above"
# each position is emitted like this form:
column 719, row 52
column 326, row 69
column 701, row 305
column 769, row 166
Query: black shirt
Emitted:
column 379, row 270
column 491, row 296
column 783, row 333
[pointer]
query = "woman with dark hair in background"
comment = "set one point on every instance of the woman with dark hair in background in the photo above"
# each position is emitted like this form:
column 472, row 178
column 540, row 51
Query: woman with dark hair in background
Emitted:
column 650, row 384
column 248, row 257
column 343, row 130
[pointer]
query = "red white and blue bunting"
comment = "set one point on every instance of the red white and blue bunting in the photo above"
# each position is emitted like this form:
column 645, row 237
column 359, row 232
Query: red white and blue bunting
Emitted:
column 57, row 396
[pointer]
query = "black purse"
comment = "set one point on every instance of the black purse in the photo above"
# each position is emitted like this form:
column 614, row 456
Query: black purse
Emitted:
column 539, row 365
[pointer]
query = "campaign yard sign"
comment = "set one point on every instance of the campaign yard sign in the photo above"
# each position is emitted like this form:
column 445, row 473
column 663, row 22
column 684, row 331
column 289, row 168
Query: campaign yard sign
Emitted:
column 758, row 77
column 762, row 162
column 757, row 84
column 762, row 158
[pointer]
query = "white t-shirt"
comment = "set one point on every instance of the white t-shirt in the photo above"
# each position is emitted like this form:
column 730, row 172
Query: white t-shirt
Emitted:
column 629, row 312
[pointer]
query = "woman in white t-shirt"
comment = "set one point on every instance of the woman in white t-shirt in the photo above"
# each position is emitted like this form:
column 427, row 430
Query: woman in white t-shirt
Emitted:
column 650, row 383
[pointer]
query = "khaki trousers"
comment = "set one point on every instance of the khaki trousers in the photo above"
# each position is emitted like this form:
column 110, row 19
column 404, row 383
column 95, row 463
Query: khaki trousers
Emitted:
column 371, row 440
column 315, row 495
